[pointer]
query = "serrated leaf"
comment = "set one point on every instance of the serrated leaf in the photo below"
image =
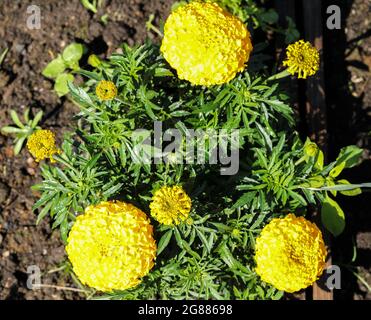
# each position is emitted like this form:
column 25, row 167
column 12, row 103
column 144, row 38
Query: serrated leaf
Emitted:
column 163, row 72
column 203, row 240
column 180, row 113
column 149, row 111
column 43, row 212
column 64, row 229
column 111, row 191
column 246, row 198
column 296, row 196
column 43, row 200
column 90, row 74
column 184, row 245
column 265, row 135
column 79, row 95
column 164, row 241
column 227, row 257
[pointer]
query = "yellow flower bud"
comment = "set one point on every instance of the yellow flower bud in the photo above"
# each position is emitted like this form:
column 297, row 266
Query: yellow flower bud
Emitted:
column 41, row 145
column 106, row 90
column 170, row 205
column 302, row 58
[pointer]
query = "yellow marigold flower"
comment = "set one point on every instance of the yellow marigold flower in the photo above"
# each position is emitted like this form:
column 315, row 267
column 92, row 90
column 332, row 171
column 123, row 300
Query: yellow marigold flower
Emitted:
column 41, row 145
column 205, row 44
column 106, row 90
column 302, row 58
column 170, row 205
column 111, row 246
column 290, row 253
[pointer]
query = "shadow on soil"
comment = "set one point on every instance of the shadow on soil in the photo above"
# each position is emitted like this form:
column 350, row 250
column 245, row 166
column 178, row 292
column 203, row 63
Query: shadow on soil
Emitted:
column 348, row 123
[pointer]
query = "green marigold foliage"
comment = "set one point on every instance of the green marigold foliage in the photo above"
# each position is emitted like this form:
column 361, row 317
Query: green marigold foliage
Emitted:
column 210, row 255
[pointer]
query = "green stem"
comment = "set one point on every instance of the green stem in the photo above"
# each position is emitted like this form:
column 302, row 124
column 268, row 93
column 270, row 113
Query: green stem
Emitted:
column 155, row 30
column 151, row 27
column 280, row 75
column 302, row 159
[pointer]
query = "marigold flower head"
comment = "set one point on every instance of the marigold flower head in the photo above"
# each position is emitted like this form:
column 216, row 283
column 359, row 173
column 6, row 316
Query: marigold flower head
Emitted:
column 205, row 44
column 106, row 90
column 170, row 205
column 41, row 145
column 111, row 246
column 290, row 253
column 302, row 58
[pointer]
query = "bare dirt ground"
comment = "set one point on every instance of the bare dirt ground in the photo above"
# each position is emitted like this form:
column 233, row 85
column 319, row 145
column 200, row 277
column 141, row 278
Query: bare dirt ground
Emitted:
column 348, row 90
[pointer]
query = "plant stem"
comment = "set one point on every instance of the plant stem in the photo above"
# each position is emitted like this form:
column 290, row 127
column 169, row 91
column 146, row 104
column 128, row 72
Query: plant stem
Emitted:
column 59, row 288
column 280, row 75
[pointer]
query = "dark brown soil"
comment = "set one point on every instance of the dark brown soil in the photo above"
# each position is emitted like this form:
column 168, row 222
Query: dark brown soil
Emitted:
column 22, row 244
column 348, row 90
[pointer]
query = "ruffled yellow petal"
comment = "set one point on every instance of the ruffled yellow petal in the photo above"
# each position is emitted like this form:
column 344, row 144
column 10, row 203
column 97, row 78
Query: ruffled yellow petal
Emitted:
column 205, row 44
column 111, row 246
column 302, row 58
column 106, row 90
column 41, row 145
column 290, row 253
column 170, row 205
